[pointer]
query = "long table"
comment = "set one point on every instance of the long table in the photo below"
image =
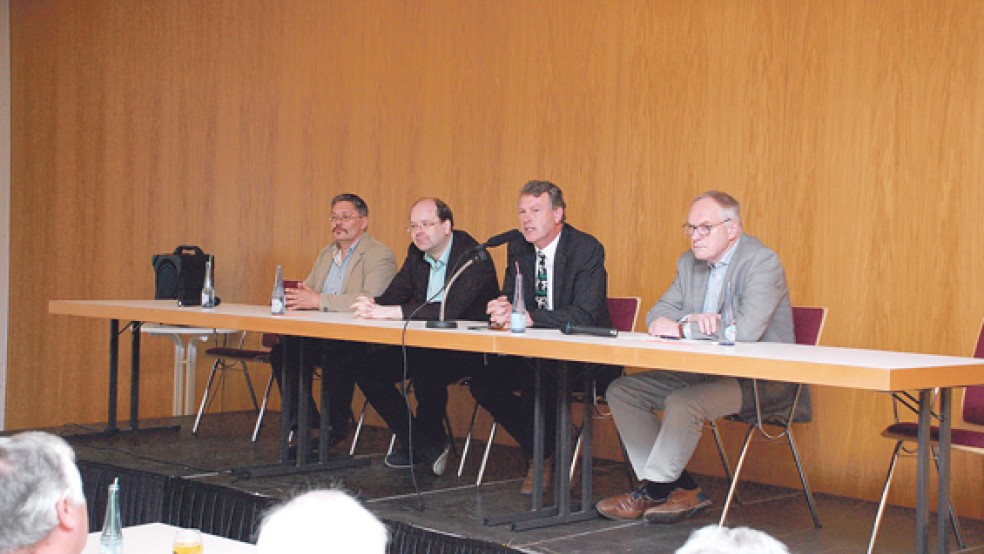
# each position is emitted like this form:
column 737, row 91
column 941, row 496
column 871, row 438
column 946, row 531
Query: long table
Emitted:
column 816, row 365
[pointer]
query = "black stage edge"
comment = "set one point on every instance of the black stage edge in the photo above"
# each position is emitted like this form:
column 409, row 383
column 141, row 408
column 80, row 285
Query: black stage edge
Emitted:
column 227, row 512
column 185, row 479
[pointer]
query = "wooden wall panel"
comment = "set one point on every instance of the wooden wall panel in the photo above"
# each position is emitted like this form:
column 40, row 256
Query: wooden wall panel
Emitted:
column 850, row 131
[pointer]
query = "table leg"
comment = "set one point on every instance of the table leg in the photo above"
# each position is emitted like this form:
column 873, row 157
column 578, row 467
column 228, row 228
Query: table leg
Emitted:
column 943, row 469
column 177, row 405
column 922, row 472
column 191, row 364
column 294, row 353
column 135, row 375
column 562, row 512
column 114, row 373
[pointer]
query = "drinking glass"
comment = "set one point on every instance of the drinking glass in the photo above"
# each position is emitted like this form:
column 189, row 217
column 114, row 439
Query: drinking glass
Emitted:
column 188, row 541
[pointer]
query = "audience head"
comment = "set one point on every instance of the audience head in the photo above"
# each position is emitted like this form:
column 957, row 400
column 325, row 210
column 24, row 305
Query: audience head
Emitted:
column 714, row 539
column 431, row 223
column 42, row 506
column 319, row 522
column 349, row 218
column 713, row 224
column 542, row 212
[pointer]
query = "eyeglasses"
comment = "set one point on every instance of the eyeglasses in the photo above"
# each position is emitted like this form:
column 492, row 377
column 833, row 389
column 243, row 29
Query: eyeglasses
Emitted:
column 426, row 225
column 701, row 230
column 343, row 218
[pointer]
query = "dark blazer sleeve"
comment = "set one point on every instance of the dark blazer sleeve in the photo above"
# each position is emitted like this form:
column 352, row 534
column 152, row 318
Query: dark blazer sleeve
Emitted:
column 400, row 289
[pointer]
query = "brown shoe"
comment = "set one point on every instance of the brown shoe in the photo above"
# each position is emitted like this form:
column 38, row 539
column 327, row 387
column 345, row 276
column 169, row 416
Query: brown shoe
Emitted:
column 630, row 505
column 679, row 505
column 527, row 487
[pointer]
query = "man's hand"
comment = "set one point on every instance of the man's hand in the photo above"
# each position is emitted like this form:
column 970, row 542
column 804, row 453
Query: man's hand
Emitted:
column 499, row 310
column 366, row 308
column 664, row 327
column 302, row 298
column 706, row 323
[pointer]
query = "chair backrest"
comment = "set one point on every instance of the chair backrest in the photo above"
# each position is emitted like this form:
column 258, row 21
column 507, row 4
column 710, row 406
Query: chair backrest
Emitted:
column 973, row 399
column 808, row 324
column 624, row 310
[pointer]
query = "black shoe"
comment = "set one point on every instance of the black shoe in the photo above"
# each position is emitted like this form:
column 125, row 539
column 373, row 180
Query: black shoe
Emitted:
column 399, row 458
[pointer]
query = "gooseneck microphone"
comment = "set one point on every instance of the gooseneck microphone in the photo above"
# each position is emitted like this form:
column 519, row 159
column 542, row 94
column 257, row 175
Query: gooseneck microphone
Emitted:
column 571, row 329
column 476, row 254
column 500, row 239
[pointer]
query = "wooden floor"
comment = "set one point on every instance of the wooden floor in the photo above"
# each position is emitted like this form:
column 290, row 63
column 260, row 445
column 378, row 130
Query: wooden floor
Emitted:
column 455, row 506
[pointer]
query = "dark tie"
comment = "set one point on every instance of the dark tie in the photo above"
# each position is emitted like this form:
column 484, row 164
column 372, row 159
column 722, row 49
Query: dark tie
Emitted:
column 541, row 281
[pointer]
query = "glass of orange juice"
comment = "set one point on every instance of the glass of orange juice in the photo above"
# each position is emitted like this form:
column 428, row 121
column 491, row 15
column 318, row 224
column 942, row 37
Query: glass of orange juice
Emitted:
column 188, row 541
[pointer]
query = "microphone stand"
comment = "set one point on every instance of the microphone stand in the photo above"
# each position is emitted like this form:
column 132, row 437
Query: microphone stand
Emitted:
column 440, row 323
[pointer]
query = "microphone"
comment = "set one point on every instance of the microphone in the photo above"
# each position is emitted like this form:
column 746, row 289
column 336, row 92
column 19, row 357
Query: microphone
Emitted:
column 571, row 329
column 441, row 323
column 478, row 253
column 500, row 239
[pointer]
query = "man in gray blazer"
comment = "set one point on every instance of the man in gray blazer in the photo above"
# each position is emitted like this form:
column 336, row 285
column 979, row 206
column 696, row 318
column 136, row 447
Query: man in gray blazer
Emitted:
column 659, row 448
column 353, row 265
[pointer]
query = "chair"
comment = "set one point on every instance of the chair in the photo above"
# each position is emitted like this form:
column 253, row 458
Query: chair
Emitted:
column 235, row 358
column 807, row 326
column 623, row 311
column 967, row 434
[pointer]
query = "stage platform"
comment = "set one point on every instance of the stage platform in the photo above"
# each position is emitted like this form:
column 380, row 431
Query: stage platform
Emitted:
column 448, row 513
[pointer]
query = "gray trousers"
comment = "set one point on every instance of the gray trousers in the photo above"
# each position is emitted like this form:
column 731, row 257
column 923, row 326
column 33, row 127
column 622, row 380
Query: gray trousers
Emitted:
column 660, row 447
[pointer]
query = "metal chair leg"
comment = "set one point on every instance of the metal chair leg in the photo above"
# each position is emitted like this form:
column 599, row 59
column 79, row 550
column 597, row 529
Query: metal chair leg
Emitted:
column 263, row 407
column 485, row 457
column 723, row 456
column 806, row 486
column 468, row 440
column 884, row 497
column 576, row 456
column 358, row 428
column 208, row 387
column 249, row 385
column 450, row 434
column 734, row 482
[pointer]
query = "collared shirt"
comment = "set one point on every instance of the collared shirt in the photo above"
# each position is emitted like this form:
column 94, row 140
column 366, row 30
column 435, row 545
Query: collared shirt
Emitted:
column 550, row 253
column 715, row 285
column 336, row 273
column 438, row 273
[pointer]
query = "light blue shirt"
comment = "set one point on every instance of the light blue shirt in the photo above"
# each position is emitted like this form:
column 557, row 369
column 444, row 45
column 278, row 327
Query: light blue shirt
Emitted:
column 715, row 284
column 438, row 273
column 336, row 273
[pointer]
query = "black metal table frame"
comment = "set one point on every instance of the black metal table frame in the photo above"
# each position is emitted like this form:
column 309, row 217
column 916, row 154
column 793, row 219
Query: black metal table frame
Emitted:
column 563, row 511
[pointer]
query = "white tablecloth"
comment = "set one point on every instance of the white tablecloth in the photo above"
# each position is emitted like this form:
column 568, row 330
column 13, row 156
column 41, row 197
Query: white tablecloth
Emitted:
column 157, row 538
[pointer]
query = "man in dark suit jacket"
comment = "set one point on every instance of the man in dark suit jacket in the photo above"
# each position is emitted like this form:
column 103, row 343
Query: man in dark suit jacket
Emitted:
column 564, row 282
column 416, row 292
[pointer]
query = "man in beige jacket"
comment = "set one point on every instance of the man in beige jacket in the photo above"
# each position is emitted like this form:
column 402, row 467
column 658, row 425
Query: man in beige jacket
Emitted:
column 353, row 265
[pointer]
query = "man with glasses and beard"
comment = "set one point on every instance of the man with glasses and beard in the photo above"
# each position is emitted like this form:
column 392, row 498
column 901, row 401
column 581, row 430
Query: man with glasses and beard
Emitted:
column 354, row 264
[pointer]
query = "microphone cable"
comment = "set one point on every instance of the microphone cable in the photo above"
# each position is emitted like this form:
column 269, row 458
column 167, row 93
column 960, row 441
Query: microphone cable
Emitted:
column 403, row 384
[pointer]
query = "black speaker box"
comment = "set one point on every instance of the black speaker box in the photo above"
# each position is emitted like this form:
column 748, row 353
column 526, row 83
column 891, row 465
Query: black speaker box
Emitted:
column 181, row 274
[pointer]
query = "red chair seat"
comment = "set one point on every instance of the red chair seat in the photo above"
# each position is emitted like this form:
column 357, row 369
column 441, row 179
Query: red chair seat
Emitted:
column 958, row 437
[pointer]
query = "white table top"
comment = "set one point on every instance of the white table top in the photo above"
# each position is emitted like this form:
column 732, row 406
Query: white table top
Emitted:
column 816, row 365
column 157, row 538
